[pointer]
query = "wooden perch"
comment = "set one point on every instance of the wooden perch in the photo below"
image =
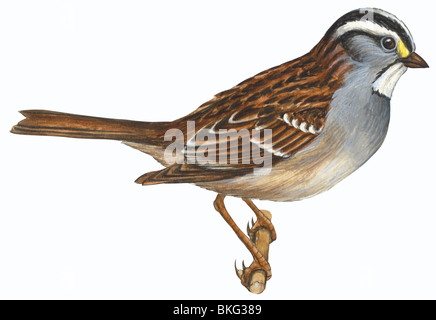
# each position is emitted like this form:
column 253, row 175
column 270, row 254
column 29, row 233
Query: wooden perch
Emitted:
column 261, row 237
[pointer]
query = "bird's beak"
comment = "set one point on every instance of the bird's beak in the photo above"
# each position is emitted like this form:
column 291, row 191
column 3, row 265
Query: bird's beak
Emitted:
column 414, row 61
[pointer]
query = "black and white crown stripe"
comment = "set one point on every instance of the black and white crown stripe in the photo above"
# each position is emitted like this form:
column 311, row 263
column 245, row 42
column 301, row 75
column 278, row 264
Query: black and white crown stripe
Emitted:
column 376, row 22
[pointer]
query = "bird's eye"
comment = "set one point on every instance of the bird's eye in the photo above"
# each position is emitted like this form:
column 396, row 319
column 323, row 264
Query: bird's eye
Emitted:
column 388, row 43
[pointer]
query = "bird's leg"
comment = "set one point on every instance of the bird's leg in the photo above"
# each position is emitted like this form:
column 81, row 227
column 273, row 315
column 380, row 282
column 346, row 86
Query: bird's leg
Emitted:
column 260, row 263
column 262, row 222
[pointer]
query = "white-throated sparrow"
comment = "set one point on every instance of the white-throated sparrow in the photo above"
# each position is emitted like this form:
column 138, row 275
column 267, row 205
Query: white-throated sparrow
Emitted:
column 327, row 113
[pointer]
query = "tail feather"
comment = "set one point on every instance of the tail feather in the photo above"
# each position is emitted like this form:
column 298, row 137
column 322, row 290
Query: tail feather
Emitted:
column 50, row 123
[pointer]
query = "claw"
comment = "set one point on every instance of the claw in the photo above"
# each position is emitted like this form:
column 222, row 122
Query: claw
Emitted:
column 243, row 266
column 239, row 272
column 250, row 232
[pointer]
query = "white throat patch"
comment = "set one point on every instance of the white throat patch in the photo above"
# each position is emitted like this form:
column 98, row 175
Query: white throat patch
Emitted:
column 385, row 84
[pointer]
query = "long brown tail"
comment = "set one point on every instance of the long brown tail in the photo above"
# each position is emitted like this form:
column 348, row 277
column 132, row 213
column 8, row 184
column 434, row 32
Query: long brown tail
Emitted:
column 50, row 123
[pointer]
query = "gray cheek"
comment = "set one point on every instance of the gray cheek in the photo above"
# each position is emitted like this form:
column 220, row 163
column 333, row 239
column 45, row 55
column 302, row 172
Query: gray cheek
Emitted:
column 368, row 51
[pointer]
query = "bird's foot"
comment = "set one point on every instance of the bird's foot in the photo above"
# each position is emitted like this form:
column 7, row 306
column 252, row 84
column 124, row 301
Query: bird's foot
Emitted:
column 260, row 235
column 263, row 221
column 255, row 276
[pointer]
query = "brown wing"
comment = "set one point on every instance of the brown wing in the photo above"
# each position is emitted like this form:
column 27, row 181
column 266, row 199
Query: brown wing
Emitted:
column 185, row 173
column 290, row 102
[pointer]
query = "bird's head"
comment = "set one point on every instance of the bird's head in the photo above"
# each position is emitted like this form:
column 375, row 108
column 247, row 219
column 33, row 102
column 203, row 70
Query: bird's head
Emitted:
column 378, row 42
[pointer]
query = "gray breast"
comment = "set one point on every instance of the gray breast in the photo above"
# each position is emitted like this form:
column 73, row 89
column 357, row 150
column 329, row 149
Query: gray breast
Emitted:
column 359, row 118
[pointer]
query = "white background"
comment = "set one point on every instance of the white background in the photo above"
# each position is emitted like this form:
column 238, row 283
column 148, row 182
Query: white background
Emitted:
column 74, row 225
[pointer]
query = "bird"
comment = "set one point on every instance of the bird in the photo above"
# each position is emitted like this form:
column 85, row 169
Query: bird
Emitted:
column 288, row 133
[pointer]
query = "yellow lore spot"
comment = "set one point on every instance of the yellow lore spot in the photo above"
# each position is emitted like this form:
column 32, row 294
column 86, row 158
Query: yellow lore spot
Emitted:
column 402, row 50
